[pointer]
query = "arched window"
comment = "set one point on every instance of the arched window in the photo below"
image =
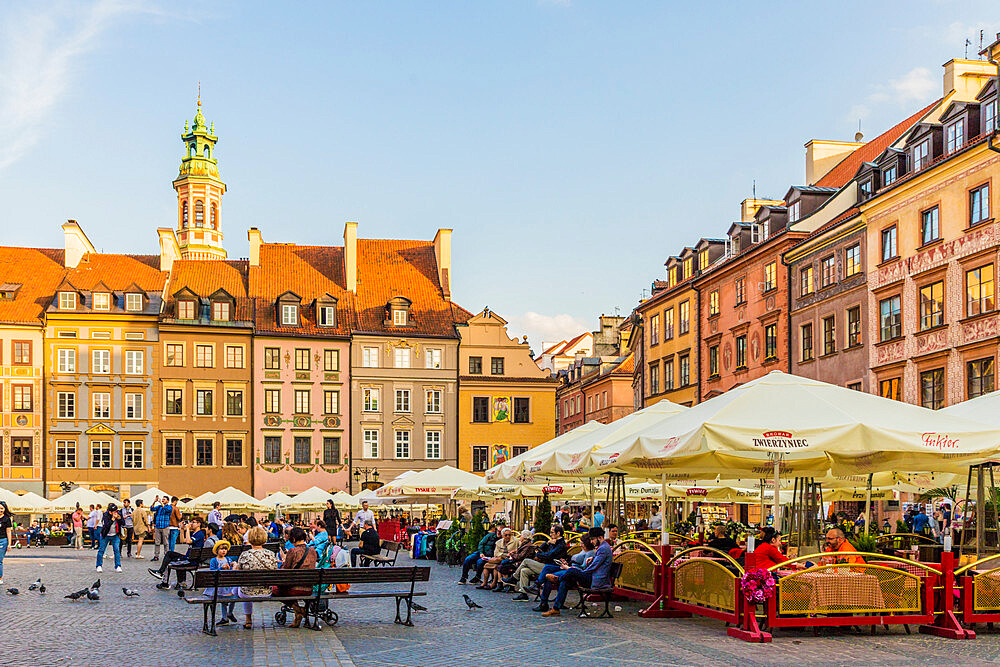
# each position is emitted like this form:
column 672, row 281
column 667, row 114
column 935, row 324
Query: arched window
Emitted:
column 199, row 213
column 184, row 214
column 194, row 148
column 215, row 225
column 208, row 151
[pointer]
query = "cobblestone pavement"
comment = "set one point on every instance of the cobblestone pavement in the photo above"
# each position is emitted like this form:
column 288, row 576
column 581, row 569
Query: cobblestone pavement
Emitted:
column 159, row 629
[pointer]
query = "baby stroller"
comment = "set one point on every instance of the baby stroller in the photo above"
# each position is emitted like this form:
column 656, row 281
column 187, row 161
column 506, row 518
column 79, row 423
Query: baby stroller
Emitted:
column 314, row 608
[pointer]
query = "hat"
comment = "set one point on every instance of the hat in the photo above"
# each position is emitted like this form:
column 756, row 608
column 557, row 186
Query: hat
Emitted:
column 112, row 507
column 220, row 543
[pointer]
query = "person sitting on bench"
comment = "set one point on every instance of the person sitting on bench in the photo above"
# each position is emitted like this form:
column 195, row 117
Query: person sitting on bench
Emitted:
column 370, row 544
column 300, row 557
column 597, row 574
column 197, row 542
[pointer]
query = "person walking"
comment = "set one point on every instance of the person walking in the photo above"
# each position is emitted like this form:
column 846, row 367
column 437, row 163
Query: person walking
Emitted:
column 140, row 526
column 91, row 522
column 331, row 519
column 175, row 523
column 215, row 516
column 76, row 520
column 161, row 528
column 129, row 525
column 112, row 528
column 6, row 533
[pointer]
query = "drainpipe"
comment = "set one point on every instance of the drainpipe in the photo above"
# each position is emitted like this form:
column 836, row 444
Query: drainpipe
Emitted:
column 788, row 319
column 697, row 342
column 996, row 124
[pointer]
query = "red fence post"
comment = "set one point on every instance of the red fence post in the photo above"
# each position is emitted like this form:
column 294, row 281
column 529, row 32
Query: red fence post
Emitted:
column 660, row 607
column 946, row 624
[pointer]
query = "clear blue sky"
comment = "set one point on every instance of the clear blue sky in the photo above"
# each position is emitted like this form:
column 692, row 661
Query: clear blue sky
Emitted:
column 572, row 146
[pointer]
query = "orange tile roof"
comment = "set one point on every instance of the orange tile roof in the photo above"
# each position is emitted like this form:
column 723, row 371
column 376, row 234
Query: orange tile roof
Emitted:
column 845, row 170
column 38, row 271
column 204, row 277
column 118, row 272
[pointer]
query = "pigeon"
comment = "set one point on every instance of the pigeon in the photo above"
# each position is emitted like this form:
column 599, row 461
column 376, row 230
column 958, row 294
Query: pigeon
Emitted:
column 93, row 595
column 94, row 586
column 416, row 607
column 470, row 603
column 34, row 586
column 78, row 594
column 41, row 589
column 12, row 591
column 180, row 593
column 129, row 593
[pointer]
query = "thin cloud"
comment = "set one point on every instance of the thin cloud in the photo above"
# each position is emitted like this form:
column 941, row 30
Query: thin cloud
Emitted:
column 916, row 86
column 545, row 328
column 38, row 63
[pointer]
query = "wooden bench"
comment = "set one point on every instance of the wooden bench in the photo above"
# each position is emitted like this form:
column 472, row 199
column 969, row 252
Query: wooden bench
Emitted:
column 603, row 593
column 198, row 558
column 314, row 580
column 391, row 553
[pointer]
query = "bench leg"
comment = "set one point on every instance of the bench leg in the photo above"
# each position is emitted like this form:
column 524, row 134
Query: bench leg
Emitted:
column 582, row 606
column 607, row 607
column 204, row 624
column 212, row 629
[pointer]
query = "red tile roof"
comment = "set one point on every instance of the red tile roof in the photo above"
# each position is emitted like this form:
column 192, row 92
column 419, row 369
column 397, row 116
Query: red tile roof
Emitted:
column 848, row 167
column 118, row 272
column 204, row 277
column 38, row 271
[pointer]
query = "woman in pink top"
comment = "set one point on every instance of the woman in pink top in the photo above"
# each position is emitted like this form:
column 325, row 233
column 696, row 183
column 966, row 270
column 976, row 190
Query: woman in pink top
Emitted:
column 78, row 528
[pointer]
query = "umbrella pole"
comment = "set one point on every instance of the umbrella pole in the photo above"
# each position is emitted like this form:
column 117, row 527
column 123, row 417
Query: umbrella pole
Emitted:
column 592, row 513
column 663, row 508
column 761, row 521
column 868, row 502
column 777, row 471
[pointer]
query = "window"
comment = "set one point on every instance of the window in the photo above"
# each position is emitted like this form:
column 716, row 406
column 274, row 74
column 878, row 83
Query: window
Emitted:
column 234, row 453
column 133, row 302
column 132, row 454
column 184, row 206
column 66, row 405
column 289, row 315
column 100, row 454
column 475, row 365
column 399, row 318
column 133, row 406
column 979, row 290
column 480, row 458
column 370, row 399
column 684, row 370
column 199, row 213
column 990, row 116
column 134, row 363
column 175, row 354
column 101, row 361
column 854, row 326
column 852, row 260
column 220, row 311
column 829, row 335
column 741, row 291
column 65, row 453
column 102, row 405
column 979, row 204
column 496, row 366
column 522, row 410
column 432, row 444
column 370, row 440
column 369, row 357
column 402, row 400
column 828, row 271
column 67, row 361
column 480, row 409
column 888, row 176
column 331, row 402
column 331, row 360
column 20, row 451
column 300, row 450
column 888, row 243
column 668, row 324
column 771, row 341
column 234, row 356
column 807, row 341
column 688, row 267
column 713, row 303
column 741, row 352
column 432, row 358
column 301, row 359
column 272, row 358
column 185, row 310
column 685, row 318
column 932, row 305
column 654, row 330
column 668, row 375
column 327, row 316
column 929, row 229
column 854, row 386
column 806, row 281
column 331, row 451
column 272, row 449
column 433, row 401
column 174, row 401
column 272, row 400
column 932, row 389
column 204, row 450
column 770, row 276
column 67, row 300
column 402, row 444
column 401, row 357
column 302, row 402
column 234, row 402
column 865, row 190
column 203, row 356
column 979, row 377
column 890, row 389
column 921, row 153
column 102, row 301
column 703, row 260
column 203, row 401
column 890, row 318
column 955, row 136
column 794, row 211
column 654, row 378
column 713, row 361
column 22, row 352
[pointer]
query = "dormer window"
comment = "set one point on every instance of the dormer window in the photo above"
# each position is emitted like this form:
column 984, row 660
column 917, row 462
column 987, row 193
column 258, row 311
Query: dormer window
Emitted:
column 990, row 116
column 399, row 317
column 289, row 315
column 793, row 211
column 865, row 189
column 8, row 291
column 133, row 302
column 67, row 300
column 921, row 154
column 688, row 267
column 703, row 260
column 397, row 312
column 102, row 301
column 955, row 136
column 185, row 309
column 220, row 311
column 888, row 176
column 327, row 316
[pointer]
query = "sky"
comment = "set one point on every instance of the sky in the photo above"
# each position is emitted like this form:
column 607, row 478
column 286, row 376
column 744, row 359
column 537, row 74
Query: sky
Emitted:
column 571, row 146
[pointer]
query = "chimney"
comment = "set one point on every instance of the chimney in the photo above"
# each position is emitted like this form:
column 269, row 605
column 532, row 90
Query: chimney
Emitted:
column 169, row 250
column 966, row 78
column 76, row 244
column 254, row 237
column 351, row 256
column 442, row 254
column 823, row 155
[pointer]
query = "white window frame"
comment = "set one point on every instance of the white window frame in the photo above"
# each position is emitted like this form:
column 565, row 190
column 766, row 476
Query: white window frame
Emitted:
column 331, row 407
column 66, row 405
column 100, row 362
column 432, row 445
column 133, row 449
column 211, row 355
column 102, row 301
column 186, row 307
column 303, row 402
column 955, row 136
column 370, row 439
column 370, row 399
column 66, row 360
column 289, row 315
column 369, row 357
column 402, row 442
column 241, row 359
column 401, row 357
column 327, row 316
column 221, row 312
column 134, row 362
column 104, row 404
column 103, row 448
column 67, row 300
column 432, row 357
column 65, row 450
column 399, row 317
column 133, row 302
column 134, row 403
column 402, row 400
column 433, row 401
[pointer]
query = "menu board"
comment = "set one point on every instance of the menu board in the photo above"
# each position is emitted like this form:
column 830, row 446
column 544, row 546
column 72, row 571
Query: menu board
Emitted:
column 713, row 513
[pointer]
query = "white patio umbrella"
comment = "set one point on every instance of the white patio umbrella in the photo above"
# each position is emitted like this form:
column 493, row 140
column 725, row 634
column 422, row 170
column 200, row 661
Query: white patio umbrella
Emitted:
column 204, row 500
column 28, row 503
column 312, row 499
column 275, row 499
column 85, row 497
column 515, row 468
column 148, row 496
column 230, row 498
column 439, row 482
column 344, row 499
column 985, row 409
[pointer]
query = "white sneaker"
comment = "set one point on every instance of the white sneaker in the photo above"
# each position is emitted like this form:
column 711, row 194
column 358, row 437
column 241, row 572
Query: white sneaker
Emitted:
column 100, row 569
column 118, row 569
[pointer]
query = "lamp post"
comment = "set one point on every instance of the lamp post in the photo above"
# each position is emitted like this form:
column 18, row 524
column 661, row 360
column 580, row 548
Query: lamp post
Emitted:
column 371, row 477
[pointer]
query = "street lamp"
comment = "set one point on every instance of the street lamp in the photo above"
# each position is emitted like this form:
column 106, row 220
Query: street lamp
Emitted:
column 371, row 476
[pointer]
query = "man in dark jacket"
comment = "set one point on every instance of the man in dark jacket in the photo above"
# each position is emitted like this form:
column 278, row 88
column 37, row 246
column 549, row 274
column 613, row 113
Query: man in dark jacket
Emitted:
column 549, row 553
column 370, row 544
column 111, row 526
column 477, row 559
column 596, row 574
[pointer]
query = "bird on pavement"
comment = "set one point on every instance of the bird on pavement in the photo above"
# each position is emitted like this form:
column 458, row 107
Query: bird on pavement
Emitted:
column 416, row 607
column 12, row 591
column 93, row 595
column 94, row 586
column 470, row 603
column 34, row 586
column 129, row 593
column 78, row 594
column 41, row 589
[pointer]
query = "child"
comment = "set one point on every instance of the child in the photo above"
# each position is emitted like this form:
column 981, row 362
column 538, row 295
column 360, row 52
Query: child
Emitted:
column 222, row 562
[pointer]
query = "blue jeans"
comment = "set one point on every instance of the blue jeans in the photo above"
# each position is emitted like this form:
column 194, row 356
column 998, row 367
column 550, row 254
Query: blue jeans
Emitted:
column 4, row 543
column 548, row 569
column 116, row 545
column 573, row 577
column 174, row 534
column 469, row 563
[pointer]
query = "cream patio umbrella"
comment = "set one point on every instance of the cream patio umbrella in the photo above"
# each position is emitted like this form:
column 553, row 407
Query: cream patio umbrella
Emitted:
column 232, row 499
column 148, row 496
column 312, row 499
column 985, row 409
column 439, row 482
column 28, row 503
column 204, row 500
column 85, row 497
column 344, row 499
column 514, row 469
column 277, row 498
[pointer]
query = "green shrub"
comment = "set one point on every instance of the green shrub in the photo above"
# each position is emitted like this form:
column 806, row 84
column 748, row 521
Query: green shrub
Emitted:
column 476, row 532
column 543, row 515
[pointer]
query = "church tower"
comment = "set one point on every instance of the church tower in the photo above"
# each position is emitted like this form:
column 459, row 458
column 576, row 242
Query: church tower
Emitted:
column 199, row 193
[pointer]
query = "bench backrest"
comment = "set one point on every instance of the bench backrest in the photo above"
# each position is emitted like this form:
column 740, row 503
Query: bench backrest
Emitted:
column 390, row 547
column 311, row 577
column 616, row 571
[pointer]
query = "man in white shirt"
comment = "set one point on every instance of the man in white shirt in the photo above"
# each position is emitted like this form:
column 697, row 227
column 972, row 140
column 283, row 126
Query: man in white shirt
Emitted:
column 656, row 521
column 215, row 516
column 364, row 514
column 94, row 522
